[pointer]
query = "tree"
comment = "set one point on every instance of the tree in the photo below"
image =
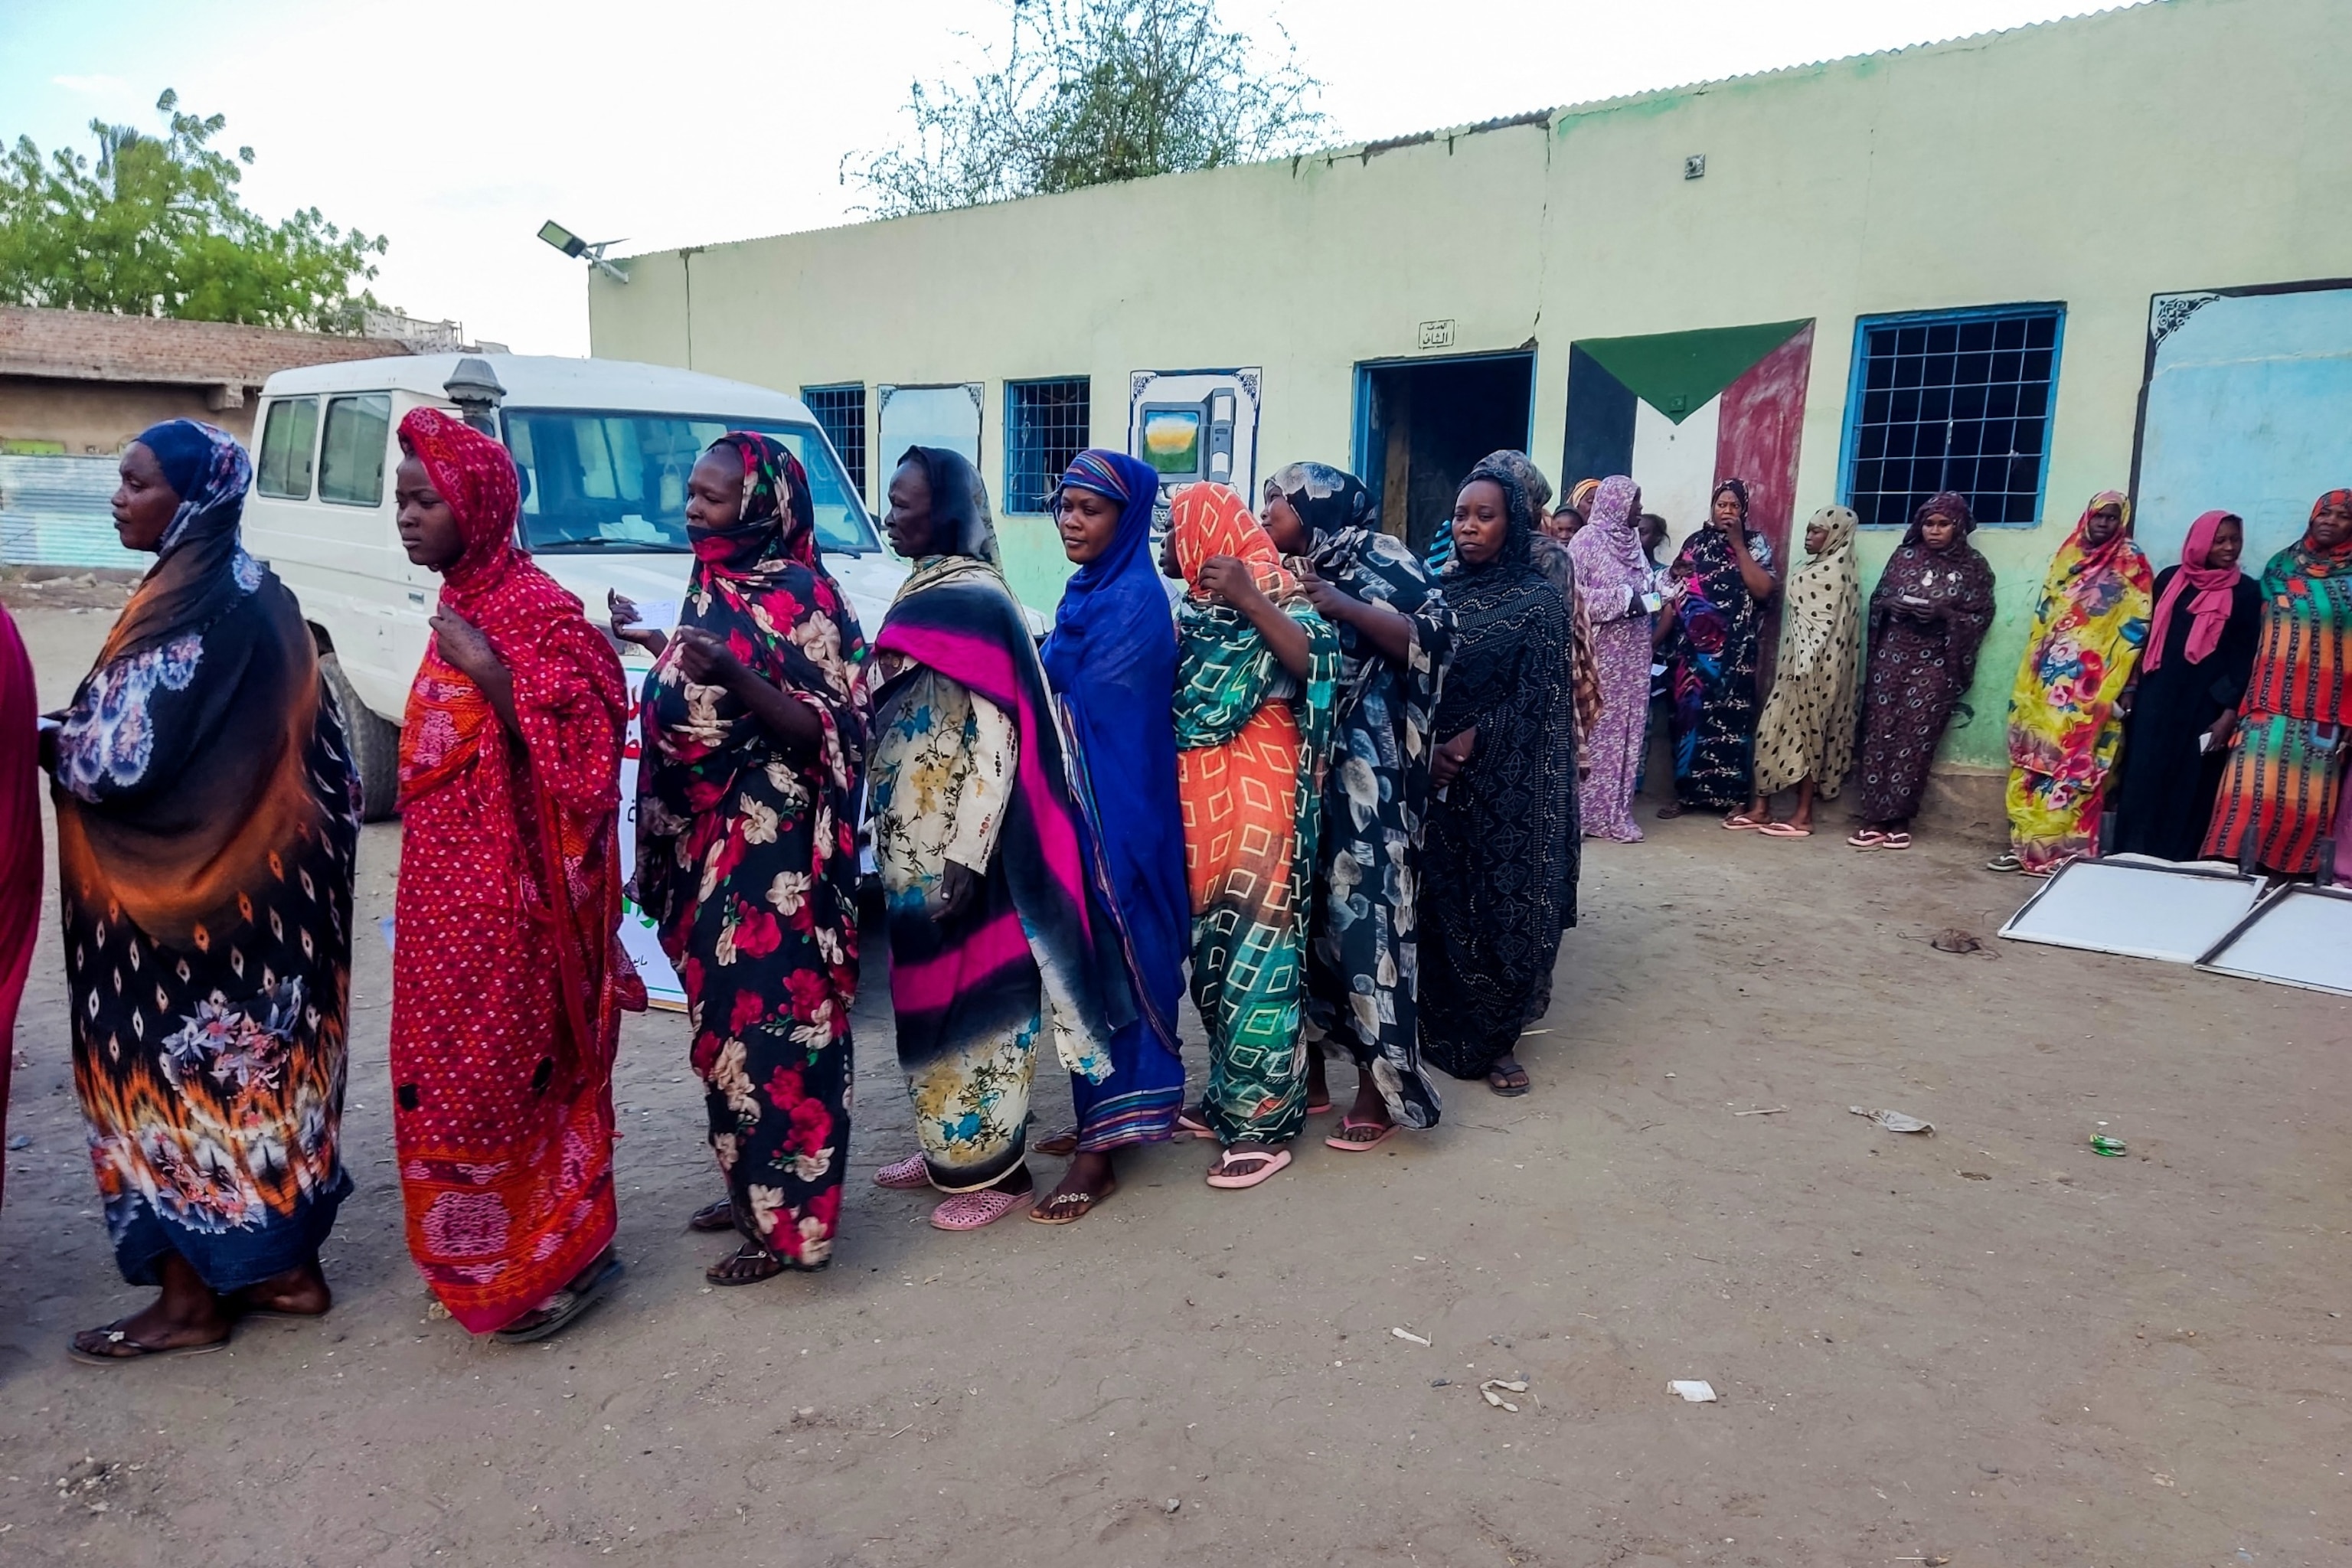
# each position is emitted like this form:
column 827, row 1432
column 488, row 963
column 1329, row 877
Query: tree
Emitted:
column 1090, row 91
column 155, row 227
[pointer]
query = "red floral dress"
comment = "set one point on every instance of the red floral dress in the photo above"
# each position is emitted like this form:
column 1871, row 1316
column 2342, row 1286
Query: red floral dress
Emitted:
column 747, row 862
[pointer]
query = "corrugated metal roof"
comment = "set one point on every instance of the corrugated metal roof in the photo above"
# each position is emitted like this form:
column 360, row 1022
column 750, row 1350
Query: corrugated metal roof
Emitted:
column 57, row 511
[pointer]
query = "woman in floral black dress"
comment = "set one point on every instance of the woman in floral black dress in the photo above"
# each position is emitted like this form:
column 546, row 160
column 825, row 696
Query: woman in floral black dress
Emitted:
column 747, row 859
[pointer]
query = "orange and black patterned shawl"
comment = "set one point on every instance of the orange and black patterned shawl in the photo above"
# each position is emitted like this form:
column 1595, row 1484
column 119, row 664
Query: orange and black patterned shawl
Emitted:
column 207, row 816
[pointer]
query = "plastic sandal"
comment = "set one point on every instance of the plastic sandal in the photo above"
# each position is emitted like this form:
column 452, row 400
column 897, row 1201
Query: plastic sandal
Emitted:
column 1895, row 841
column 2005, row 862
column 113, row 1334
column 1346, row 1145
column 565, row 1306
column 904, row 1176
column 1191, row 1124
column 1069, row 1208
column 1783, row 830
column 971, row 1211
column 1740, row 822
column 1268, row 1161
column 1867, row 838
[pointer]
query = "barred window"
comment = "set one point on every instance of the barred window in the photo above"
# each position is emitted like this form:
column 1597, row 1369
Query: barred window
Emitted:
column 841, row 412
column 1958, row 402
column 1045, row 426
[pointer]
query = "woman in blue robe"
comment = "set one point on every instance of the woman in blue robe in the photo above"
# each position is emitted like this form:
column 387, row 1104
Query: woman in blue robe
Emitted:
column 1112, row 661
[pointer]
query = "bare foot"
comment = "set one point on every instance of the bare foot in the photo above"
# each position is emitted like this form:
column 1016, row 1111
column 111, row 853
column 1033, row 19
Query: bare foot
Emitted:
column 1319, row 1081
column 1087, row 1182
column 186, row 1314
column 300, row 1292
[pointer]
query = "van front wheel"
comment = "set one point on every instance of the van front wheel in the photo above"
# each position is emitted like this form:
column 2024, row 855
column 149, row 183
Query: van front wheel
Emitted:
column 375, row 743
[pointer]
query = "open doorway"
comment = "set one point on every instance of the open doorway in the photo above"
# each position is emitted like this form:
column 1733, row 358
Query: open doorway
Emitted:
column 1420, row 425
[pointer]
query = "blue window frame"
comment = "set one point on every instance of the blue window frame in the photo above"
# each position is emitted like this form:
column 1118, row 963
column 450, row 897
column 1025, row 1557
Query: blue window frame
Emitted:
column 841, row 412
column 1952, row 400
column 1045, row 426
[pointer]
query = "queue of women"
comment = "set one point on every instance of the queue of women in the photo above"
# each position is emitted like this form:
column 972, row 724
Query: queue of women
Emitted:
column 1338, row 795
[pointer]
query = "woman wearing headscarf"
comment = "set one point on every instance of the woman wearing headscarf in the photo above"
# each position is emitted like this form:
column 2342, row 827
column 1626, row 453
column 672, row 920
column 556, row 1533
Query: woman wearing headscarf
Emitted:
column 207, row 815
column 1396, row 636
column 1549, row 552
column 1615, row 574
column 2192, row 678
column 1111, row 660
column 1499, row 867
column 2286, row 767
column 1255, row 672
column 507, row 981
column 1928, row 617
column 754, row 725
column 1718, row 585
column 20, row 841
column 2065, row 707
column 977, row 838
column 1805, row 739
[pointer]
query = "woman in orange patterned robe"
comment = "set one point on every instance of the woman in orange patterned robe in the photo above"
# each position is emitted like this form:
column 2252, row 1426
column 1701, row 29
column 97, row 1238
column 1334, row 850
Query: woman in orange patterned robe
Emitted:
column 507, row 981
column 207, row 815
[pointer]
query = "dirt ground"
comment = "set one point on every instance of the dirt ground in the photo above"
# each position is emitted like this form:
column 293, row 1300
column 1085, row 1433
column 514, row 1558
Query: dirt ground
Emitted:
column 1988, row 1346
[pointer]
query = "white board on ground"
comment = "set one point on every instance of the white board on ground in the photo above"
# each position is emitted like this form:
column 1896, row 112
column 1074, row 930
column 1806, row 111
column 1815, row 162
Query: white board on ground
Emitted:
column 2298, row 936
column 2138, row 906
column 637, row 938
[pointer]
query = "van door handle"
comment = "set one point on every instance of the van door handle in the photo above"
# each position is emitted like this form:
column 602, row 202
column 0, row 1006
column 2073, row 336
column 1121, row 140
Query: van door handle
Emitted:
column 415, row 596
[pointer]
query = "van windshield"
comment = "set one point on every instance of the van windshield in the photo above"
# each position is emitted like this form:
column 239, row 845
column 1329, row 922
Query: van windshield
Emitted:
column 601, row 479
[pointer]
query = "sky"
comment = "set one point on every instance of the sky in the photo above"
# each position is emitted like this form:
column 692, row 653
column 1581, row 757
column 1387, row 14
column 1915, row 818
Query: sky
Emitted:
column 458, row 129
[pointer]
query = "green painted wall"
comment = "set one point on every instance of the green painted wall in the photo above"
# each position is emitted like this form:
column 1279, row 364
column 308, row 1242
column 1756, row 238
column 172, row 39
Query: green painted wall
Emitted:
column 2173, row 145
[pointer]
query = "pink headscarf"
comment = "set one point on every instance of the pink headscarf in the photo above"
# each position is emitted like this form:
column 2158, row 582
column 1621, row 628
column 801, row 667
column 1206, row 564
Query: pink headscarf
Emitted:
column 2209, row 608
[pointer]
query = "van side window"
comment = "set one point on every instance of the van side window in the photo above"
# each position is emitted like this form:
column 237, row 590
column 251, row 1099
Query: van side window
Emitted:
column 289, row 444
column 350, row 467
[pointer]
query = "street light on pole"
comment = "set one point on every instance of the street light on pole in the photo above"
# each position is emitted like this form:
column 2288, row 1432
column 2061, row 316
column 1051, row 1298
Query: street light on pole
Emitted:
column 571, row 245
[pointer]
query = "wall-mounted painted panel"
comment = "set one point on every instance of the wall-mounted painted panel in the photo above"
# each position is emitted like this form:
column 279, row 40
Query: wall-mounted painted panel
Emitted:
column 2248, row 407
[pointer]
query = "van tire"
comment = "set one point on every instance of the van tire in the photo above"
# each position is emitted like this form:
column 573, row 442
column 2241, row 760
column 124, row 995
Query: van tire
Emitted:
column 375, row 743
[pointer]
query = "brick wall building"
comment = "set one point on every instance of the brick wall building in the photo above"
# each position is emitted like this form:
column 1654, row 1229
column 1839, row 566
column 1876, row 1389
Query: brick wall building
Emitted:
column 84, row 383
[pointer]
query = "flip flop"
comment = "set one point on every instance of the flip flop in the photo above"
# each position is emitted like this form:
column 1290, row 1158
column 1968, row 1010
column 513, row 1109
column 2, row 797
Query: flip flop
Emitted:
column 903, row 1176
column 1050, row 1211
column 566, row 1305
column 1269, row 1161
column 1783, row 830
column 1740, row 822
column 1193, row 1124
column 1506, row 1088
column 1867, row 838
column 2005, row 862
column 1322, row 1110
column 973, row 1210
column 1895, row 841
column 713, row 1217
column 1346, row 1145
column 115, row 1335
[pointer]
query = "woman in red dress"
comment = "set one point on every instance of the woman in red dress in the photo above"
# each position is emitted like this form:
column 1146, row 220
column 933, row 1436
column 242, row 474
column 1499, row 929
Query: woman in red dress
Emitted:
column 508, row 978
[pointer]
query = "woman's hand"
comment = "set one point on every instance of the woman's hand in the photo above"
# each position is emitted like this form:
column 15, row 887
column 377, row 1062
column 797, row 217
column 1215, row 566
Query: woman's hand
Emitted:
column 959, row 890
column 1228, row 577
column 706, row 659
column 1450, row 757
column 468, row 651
column 627, row 629
column 1329, row 602
column 463, row 645
column 2223, row 731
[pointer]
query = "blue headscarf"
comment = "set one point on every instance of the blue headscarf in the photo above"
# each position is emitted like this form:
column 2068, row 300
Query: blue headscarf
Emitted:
column 200, row 569
column 1112, row 660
